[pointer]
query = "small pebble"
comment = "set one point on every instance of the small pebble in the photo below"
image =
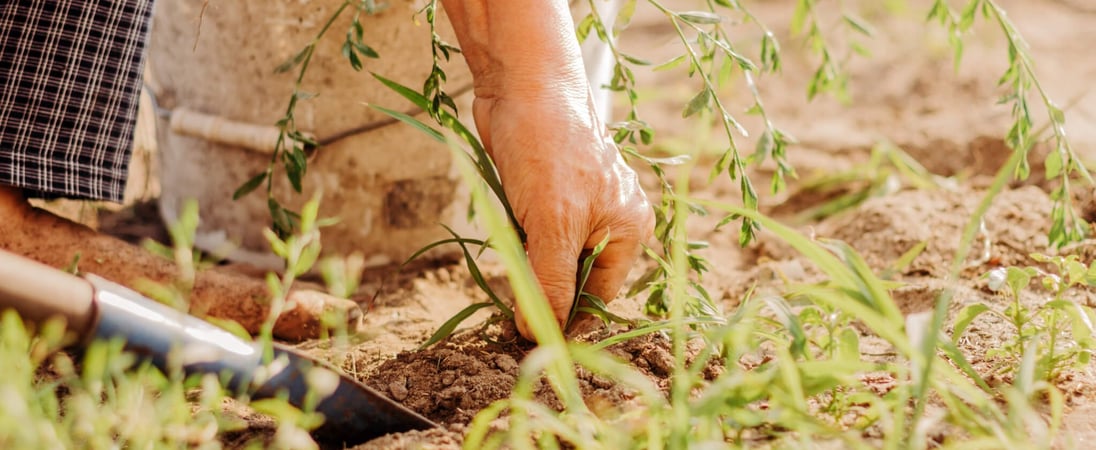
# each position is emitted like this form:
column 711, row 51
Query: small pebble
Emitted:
column 660, row 359
column 506, row 364
column 398, row 389
column 448, row 377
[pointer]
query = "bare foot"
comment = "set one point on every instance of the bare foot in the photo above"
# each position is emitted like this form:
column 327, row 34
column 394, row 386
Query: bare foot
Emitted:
column 41, row 236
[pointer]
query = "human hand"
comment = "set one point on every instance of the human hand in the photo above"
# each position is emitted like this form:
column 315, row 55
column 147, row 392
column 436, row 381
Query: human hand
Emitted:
column 563, row 176
column 569, row 188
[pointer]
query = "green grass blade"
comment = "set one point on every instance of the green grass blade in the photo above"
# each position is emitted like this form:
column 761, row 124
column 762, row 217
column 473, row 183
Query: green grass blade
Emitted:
column 1080, row 320
column 447, row 328
column 870, row 287
column 790, row 322
column 903, row 262
column 653, row 327
column 402, row 117
column 965, row 317
column 943, row 301
column 584, row 275
column 435, row 244
column 956, row 356
column 478, row 277
column 483, row 163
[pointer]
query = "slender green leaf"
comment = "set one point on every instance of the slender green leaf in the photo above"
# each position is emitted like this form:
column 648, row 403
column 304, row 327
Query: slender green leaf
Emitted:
column 700, row 17
column 965, row 317
column 783, row 311
column 1080, row 320
column 584, row 275
column 352, row 56
column 624, row 16
column 402, row 117
column 294, row 61
column 483, row 162
column 249, row 185
column 1053, row 164
column 478, row 277
column 903, row 262
column 365, row 49
column 450, row 325
column 858, row 24
column 441, row 242
column 676, row 61
column 584, row 27
column 698, row 103
column 848, row 345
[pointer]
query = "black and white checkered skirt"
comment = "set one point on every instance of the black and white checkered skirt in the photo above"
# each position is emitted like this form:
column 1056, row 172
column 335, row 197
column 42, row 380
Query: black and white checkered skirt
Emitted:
column 70, row 76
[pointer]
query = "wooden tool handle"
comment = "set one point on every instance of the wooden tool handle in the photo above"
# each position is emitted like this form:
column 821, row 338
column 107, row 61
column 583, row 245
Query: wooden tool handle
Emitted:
column 39, row 292
column 257, row 138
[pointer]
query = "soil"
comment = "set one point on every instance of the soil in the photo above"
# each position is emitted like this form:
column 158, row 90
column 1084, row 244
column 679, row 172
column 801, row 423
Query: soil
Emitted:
column 908, row 93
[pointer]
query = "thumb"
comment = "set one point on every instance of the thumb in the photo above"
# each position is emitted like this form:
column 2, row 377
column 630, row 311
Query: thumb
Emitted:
column 554, row 260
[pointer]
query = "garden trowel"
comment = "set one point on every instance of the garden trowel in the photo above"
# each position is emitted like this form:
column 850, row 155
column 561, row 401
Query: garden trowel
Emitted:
column 94, row 308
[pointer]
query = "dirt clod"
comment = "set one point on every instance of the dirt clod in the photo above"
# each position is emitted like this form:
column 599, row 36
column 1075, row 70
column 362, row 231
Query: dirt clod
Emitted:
column 398, row 389
column 446, row 383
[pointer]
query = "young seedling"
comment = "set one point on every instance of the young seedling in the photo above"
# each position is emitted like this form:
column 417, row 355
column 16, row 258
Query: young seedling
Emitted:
column 1056, row 331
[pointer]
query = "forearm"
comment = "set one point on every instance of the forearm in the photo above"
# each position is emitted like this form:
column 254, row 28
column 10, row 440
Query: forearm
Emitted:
column 520, row 48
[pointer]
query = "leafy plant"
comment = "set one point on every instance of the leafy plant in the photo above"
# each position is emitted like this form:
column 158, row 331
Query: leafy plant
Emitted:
column 433, row 87
column 103, row 400
column 1062, row 163
column 712, row 57
column 293, row 144
column 187, row 259
column 830, row 76
column 778, row 385
column 300, row 252
column 105, row 397
column 1058, row 330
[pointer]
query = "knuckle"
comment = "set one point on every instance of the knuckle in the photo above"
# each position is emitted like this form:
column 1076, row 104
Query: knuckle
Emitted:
column 636, row 224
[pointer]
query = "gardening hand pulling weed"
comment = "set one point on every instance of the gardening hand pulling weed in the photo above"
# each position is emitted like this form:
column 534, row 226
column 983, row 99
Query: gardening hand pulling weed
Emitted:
column 568, row 185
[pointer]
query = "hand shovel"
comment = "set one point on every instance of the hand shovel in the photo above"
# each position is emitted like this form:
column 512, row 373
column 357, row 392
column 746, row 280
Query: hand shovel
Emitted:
column 95, row 308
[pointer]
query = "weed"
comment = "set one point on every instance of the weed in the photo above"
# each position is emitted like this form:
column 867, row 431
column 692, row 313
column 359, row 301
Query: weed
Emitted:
column 782, row 384
column 107, row 400
column 105, row 397
column 1056, row 329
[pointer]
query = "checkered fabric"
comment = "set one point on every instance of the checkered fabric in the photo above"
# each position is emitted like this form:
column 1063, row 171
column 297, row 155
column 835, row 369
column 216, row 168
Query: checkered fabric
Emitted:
column 70, row 76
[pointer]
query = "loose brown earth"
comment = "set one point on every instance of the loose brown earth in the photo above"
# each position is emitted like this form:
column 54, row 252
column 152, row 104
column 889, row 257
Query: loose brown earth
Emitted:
column 907, row 94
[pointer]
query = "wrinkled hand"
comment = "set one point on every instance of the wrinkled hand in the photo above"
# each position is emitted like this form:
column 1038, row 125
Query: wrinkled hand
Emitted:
column 569, row 188
column 564, row 178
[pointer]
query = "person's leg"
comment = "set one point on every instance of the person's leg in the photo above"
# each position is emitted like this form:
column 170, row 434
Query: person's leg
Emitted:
column 68, row 99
